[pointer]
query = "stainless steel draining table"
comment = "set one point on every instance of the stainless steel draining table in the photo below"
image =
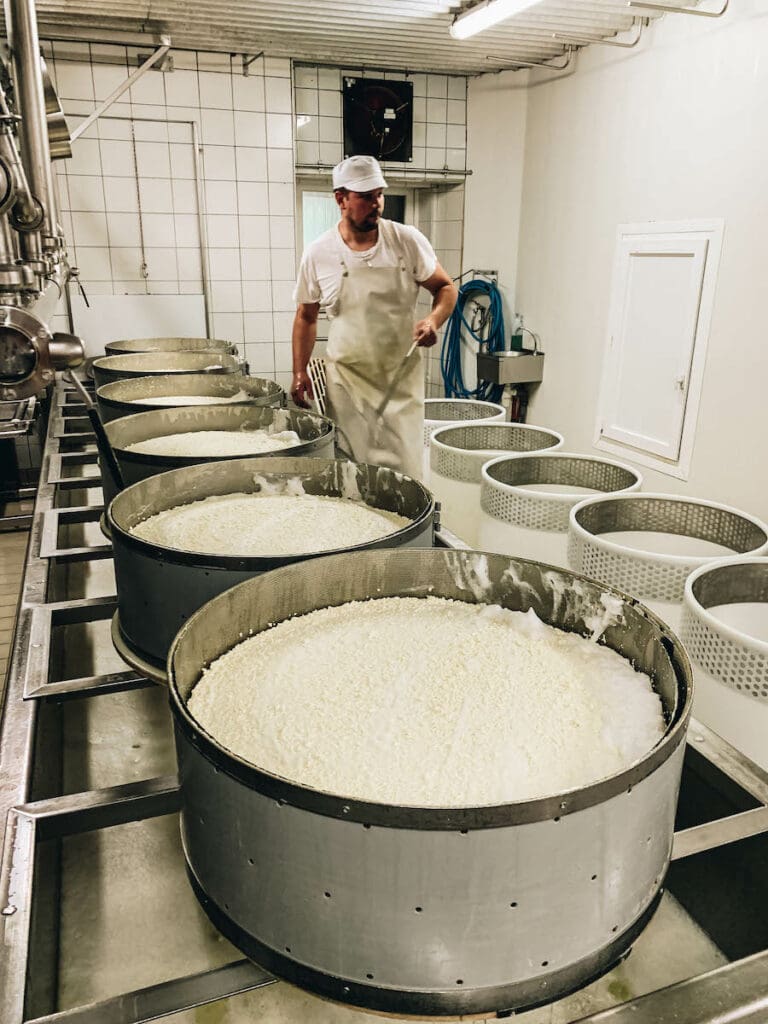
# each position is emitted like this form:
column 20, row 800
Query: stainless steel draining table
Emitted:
column 97, row 923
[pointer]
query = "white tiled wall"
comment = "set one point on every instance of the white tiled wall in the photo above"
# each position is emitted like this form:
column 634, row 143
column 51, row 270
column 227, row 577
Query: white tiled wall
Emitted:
column 439, row 117
column 140, row 157
column 247, row 179
column 440, row 215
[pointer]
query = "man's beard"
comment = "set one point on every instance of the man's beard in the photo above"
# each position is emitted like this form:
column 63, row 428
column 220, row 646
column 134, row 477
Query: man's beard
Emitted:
column 367, row 224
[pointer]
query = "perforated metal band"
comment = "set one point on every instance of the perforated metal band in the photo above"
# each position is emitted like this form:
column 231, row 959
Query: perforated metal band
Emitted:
column 654, row 577
column 739, row 663
column 459, row 453
column 439, row 412
column 550, row 512
column 738, row 667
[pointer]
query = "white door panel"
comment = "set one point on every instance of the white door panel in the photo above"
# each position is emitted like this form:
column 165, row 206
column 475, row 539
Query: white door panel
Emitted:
column 657, row 293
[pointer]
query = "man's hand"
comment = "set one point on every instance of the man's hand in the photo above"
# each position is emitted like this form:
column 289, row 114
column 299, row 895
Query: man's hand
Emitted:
column 301, row 389
column 425, row 333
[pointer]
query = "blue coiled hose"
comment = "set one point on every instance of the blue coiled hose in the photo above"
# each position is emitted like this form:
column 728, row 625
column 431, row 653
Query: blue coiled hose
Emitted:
column 450, row 353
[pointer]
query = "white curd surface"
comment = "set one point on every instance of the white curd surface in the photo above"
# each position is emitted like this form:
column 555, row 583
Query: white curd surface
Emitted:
column 172, row 400
column 252, row 525
column 428, row 702
column 209, row 443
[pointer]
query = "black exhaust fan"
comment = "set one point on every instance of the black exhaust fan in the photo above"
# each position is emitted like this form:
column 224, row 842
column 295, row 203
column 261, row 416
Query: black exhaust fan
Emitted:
column 378, row 118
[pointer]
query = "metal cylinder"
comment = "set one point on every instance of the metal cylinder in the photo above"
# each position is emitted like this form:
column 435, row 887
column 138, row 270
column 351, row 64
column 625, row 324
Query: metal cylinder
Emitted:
column 128, row 397
column 131, row 345
column 655, row 541
column 316, row 434
column 442, row 412
column 66, row 351
column 158, row 587
column 725, row 632
column 456, row 457
column 427, row 910
column 525, row 500
column 142, row 364
column 28, row 82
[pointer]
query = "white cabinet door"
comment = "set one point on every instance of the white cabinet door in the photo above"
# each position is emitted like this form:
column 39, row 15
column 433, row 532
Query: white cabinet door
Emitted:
column 655, row 314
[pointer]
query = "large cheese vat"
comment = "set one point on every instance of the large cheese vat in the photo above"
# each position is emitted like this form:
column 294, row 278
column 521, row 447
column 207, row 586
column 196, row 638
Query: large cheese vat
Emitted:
column 456, row 458
column 648, row 544
column 128, row 345
column 526, row 500
column 159, row 587
column 416, row 910
column 440, row 412
column 316, row 435
column 725, row 632
column 143, row 364
column 141, row 394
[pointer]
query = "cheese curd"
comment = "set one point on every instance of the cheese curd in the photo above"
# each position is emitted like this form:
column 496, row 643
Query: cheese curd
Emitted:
column 252, row 525
column 429, row 702
column 212, row 443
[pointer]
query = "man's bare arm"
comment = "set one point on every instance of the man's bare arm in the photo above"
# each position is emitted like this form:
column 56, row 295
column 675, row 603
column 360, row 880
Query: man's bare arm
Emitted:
column 444, row 295
column 303, row 341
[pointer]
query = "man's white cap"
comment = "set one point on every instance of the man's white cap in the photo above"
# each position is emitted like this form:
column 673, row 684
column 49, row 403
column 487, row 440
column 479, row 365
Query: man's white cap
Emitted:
column 358, row 174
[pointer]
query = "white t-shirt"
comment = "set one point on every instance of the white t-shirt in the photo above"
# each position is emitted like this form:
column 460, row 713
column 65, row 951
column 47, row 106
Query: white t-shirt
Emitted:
column 321, row 265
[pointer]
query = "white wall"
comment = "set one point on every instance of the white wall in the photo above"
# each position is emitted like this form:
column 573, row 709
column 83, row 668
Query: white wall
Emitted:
column 247, row 171
column 669, row 131
column 496, row 117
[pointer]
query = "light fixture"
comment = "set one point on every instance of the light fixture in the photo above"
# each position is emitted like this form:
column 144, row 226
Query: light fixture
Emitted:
column 484, row 15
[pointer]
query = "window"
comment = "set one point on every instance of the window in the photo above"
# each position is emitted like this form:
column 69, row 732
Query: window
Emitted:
column 319, row 212
column 661, row 300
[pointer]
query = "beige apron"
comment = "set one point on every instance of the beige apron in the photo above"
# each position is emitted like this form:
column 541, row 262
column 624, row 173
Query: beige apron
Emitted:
column 367, row 340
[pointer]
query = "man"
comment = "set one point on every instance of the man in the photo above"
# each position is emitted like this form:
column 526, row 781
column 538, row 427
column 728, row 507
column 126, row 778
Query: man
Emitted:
column 366, row 273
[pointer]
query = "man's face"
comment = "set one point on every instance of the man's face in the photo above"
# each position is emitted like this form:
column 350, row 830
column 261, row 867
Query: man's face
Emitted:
column 362, row 209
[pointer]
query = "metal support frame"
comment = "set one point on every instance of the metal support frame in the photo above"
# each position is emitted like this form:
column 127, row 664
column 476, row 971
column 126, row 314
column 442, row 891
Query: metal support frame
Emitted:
column 103, row 107
column 55, row 518
column 648, row 5
column 249, row 59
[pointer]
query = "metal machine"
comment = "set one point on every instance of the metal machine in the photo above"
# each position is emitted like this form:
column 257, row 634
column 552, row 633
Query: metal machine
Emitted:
column 33, row 255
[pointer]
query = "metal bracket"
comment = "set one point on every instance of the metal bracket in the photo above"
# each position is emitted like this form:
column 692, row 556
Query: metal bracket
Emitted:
column 43, row 620
column 513, row 65
column 647, row 5
column 160, row 52
column 49, row 538
column 248, row 60
column 58, row 463
column 586, row 41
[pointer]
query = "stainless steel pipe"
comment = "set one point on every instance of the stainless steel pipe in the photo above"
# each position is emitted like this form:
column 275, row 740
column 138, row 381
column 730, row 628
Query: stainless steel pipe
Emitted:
column 21, row 22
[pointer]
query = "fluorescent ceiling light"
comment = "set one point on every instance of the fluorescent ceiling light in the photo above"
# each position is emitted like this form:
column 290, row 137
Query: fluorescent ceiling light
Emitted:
column 484, row 15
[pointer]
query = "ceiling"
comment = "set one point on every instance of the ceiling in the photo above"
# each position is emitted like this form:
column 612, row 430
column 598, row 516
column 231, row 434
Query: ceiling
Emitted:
column 410, row 35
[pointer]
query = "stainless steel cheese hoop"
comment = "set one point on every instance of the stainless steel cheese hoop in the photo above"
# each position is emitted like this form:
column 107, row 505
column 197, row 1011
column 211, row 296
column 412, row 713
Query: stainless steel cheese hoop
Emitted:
column 316, row 435
column 159, row 587
column 106, row 369
column 127, row 346
column 124, row 397
column 321, row 889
